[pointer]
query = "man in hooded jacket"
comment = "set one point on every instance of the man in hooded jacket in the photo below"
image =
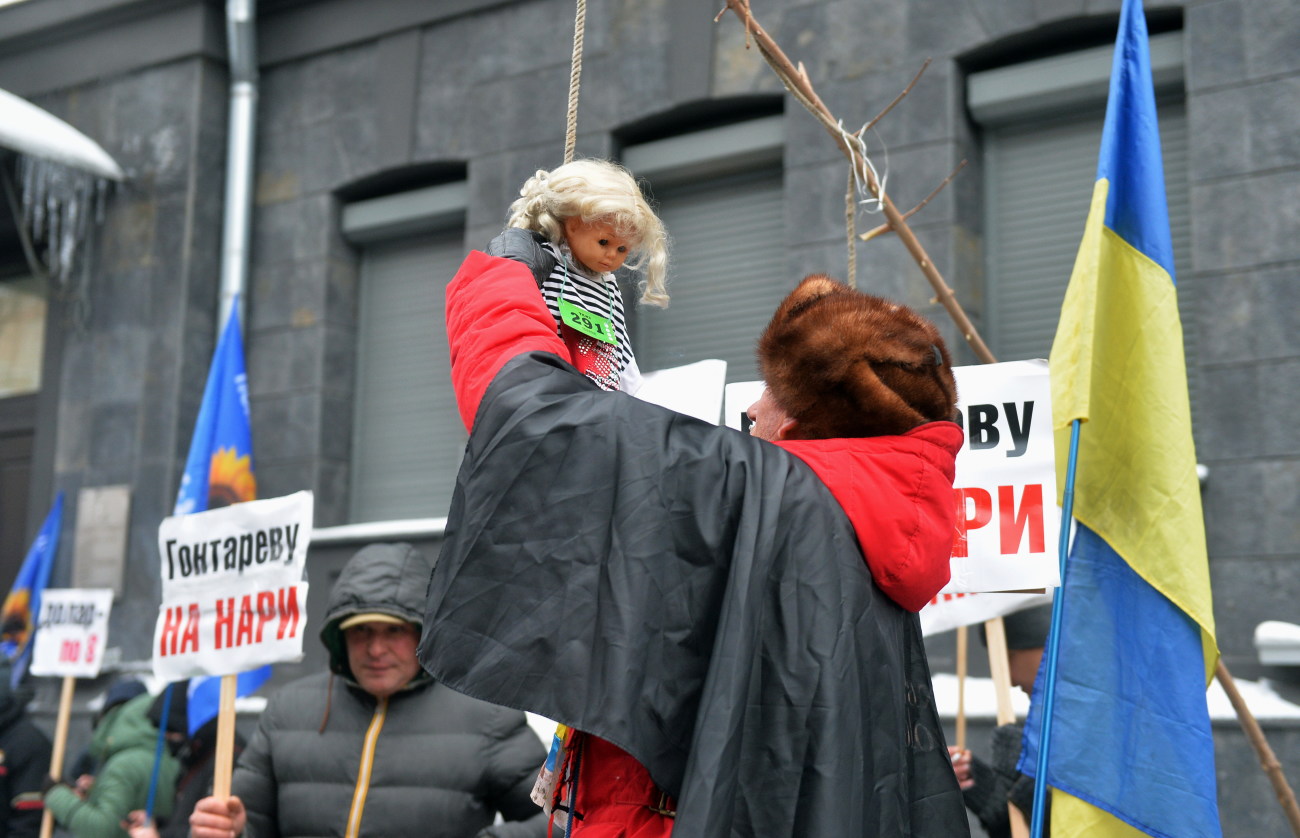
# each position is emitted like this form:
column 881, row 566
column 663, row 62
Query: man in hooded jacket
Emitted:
column 375, row 747
column 729, row 622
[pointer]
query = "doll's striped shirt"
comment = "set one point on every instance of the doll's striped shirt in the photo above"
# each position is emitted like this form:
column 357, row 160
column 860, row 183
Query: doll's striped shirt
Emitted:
column 599, row 295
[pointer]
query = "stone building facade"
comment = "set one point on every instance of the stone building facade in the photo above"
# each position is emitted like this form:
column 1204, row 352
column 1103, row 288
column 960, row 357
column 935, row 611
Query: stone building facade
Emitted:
column 392, row 136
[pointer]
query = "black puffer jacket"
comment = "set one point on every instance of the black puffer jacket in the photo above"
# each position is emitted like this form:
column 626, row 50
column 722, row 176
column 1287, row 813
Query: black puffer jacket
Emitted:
column 443, row 764
column 24, row 763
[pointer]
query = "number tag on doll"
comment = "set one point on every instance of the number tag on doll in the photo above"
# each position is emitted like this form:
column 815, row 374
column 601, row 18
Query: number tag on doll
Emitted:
column 592, row 325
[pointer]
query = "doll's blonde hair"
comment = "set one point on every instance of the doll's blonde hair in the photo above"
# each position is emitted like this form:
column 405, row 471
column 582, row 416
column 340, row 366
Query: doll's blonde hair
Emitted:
column 598, row 190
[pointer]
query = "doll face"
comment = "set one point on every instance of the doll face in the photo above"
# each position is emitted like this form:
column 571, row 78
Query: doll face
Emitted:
column 595, row 245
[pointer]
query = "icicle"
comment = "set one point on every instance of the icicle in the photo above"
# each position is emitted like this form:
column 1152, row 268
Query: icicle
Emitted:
column 57, row 204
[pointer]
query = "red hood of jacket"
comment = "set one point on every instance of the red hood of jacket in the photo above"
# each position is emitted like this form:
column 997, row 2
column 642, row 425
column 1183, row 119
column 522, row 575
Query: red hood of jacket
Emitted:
column 897, row 491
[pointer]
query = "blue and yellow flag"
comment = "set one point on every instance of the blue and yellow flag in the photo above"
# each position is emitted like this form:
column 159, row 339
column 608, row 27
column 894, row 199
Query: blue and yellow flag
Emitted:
column 1131, row 750
column 219, row 472
column 23, row 604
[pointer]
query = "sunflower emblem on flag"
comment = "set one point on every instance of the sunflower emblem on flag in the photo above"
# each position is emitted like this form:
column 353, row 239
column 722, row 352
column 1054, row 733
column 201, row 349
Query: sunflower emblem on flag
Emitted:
column 230, row 478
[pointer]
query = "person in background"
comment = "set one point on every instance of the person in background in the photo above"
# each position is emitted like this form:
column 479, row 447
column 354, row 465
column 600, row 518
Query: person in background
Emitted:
column 988, row 787
column 375, row 746
column 81, row 773
column 124, row 744
column 24, row 762
column 197, row 756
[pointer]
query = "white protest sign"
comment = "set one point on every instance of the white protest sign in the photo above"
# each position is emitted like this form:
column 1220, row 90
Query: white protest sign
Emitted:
column 739, row 396
column 949, row 611
column 71, row 632
column 1007, row 518
column 693, row 389
column 232, row 591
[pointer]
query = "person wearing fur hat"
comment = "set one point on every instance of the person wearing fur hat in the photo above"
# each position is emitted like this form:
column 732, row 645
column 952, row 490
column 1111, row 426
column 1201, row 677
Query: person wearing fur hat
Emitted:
column 375, row 746
column 727, row 620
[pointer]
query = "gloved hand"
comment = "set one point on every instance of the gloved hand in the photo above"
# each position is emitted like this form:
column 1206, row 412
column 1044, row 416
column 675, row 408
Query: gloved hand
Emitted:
column 524, row 246
column 50, row 782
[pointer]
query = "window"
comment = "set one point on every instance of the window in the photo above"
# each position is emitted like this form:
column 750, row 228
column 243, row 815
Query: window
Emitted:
column 719, row 193
column 1041, row 123
column 22, row 335
column 407, row 434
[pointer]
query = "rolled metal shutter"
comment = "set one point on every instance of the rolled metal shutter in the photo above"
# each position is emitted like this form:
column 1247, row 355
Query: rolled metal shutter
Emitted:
column 407, row 435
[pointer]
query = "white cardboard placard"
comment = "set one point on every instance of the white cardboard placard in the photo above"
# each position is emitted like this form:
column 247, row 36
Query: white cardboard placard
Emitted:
column 233, row 597
column 71, row 632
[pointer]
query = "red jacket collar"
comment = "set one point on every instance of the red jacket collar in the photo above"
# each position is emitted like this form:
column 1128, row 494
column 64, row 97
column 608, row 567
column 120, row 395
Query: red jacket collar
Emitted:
column 897, row 492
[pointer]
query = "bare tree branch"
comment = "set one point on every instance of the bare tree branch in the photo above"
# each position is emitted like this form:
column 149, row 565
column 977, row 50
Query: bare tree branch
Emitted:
column 900, row 97
column 799, row 87
column 885, row 228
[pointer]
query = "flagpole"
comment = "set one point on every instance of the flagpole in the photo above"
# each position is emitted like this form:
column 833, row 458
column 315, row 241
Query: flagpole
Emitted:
column 158, row 755
column 1054, row 640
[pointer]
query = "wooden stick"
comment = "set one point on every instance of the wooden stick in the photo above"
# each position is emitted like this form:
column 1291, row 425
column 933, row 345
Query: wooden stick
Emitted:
column 802, row 90
column 60, row 745
column 900, row 97
column 963, row 635
column 225, row 753
column 1267, row 759
column 1000, row 668
column 885, row 228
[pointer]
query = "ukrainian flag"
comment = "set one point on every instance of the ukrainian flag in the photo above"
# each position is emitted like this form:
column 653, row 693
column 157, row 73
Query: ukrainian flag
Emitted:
column 1131, row 750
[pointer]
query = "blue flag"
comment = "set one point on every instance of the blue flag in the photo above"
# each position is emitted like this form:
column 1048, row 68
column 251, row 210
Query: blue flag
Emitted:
column 23, row 604
column 219, row 472
column 1130, row 748
column 219, row 469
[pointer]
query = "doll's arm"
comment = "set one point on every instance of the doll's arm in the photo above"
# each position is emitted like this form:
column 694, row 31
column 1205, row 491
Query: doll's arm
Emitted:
column 524, row 246
column 493, row 314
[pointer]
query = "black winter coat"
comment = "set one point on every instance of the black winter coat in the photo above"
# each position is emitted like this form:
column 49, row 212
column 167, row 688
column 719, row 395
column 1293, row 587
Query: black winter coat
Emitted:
column 24, row 764
column 694, row 596
column 444, row 763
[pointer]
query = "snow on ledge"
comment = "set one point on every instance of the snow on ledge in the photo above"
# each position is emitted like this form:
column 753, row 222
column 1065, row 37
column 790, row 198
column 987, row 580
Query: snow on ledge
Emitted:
column 981, row 703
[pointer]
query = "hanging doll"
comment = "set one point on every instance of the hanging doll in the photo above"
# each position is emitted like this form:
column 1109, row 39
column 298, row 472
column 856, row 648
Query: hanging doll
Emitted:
column 574, row 226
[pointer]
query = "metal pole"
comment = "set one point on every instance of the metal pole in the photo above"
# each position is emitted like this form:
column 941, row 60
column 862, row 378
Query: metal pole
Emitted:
column 241, row 41
column 1054, row 640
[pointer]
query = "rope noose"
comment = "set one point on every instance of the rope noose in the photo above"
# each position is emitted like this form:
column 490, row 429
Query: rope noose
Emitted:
column 575, row 73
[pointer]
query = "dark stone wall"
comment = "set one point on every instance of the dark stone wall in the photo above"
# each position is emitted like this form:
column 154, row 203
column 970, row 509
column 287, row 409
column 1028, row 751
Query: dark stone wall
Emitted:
column 136, row 324
column 346, row 97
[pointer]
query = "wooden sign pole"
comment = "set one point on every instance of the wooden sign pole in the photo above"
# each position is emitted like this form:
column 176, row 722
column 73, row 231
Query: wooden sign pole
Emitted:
column 60, row 745
column 225, row 754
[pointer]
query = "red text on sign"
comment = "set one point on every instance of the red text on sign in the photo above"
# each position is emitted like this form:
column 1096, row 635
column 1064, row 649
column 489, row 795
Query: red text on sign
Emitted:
column 1015, row 522
column 245, row 623
column 178, row 639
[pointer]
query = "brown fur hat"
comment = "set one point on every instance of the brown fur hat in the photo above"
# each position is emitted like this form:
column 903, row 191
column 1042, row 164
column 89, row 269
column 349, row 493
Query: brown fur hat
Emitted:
column 847, row 364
